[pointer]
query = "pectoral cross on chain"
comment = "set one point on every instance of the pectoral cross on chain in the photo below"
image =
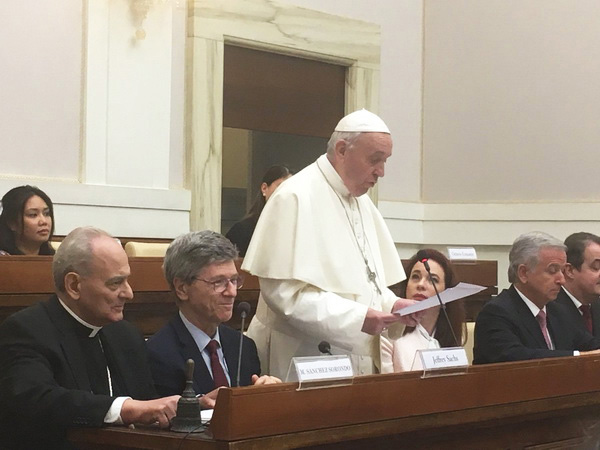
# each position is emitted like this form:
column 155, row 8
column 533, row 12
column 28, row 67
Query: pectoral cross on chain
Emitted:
column 372, row 278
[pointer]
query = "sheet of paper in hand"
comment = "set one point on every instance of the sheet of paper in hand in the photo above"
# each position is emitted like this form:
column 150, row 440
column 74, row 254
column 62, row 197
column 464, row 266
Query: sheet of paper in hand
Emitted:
column 461, row 290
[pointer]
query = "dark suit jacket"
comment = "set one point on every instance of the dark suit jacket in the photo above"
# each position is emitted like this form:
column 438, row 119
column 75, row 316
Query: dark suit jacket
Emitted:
column 173, row 345
column 564, row 299
column 507, row 331
column 44, row 384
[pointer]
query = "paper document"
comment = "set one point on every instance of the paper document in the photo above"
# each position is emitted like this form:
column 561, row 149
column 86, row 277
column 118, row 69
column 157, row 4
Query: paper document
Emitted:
column 459, row 291
column 206, row 415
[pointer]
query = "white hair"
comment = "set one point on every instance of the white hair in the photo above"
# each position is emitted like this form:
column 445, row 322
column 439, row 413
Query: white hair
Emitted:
column 349, row 137
column 526, row 249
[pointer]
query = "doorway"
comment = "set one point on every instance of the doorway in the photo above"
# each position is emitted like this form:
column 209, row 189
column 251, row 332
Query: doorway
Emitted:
column 277, row 109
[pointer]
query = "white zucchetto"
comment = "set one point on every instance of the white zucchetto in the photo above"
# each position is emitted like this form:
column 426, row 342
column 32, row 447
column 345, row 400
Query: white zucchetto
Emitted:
column 362, row 121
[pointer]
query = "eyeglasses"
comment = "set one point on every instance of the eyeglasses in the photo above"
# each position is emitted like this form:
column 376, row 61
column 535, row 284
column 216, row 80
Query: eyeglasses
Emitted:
column 220, row 285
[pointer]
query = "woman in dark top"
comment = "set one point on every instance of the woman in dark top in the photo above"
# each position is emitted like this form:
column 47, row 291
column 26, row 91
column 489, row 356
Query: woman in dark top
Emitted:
column 241, row 232
column 26, row 222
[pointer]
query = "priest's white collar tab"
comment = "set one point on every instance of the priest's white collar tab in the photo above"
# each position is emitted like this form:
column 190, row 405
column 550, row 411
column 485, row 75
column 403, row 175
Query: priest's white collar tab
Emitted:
column 93, row 329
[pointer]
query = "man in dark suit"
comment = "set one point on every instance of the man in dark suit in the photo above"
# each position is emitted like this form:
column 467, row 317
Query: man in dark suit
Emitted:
column 581, row 291
column 200, row 269
column 71, row 360
column 523, row 322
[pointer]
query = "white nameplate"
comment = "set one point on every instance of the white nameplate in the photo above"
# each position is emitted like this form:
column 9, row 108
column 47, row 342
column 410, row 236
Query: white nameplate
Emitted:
column 206, row 415
column 323, row 368
column 462, row 254
column 443, row 358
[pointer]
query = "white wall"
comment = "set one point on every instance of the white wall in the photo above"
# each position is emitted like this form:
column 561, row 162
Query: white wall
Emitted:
column 401, row 24
column 511, row 106
column 88, row 109
column 40, row 82
column 511, row 101
column 129, row 91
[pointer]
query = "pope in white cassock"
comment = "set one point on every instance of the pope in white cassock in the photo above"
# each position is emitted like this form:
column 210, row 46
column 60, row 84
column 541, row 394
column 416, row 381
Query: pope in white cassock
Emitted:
column 324, row 256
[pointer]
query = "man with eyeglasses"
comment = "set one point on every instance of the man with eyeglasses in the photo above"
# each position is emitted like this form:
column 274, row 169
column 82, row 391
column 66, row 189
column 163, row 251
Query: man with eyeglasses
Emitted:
column 199, row 267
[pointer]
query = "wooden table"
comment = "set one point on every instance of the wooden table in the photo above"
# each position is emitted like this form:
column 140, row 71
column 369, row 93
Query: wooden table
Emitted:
column 542, row 404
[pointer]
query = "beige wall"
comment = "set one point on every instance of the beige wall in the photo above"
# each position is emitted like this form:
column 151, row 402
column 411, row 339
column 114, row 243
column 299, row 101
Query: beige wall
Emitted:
column 401, row 24
column 510, row 125
column 40, row 80
column 511, row 101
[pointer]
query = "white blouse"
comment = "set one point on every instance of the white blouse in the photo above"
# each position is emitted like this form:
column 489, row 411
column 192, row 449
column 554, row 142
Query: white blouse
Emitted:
column 401, row 355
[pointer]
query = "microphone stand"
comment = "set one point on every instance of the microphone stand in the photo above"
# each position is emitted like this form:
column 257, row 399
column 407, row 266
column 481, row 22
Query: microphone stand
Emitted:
column 442, row 304
column 239, row 366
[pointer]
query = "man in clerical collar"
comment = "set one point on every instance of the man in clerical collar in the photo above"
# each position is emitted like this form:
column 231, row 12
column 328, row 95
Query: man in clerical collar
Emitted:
column 524, row 321
column 71, row 360
column 325, row 258
column 200, row 268
column 581, row 291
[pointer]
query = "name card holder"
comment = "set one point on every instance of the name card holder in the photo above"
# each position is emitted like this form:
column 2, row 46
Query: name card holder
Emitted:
column 320, row 371
column 463, row 254
column 437, row 362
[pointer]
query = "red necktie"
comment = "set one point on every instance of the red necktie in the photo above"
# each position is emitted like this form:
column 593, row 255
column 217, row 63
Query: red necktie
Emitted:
column 541, row 318
column 587, row 317
column 217, row 369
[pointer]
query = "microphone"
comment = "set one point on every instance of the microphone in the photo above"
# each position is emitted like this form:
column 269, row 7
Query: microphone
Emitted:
column 243, row 309
column 324, row 347
column 423, row 257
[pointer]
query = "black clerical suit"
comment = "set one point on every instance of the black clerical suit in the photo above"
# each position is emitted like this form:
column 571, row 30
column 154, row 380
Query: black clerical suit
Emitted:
column 564, row 299
column 173, row 345
column 506, row 330
column 45, row 383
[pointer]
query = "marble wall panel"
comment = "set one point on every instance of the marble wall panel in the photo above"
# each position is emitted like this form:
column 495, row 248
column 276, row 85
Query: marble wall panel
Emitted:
column 289, row 27
column 204, row 155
